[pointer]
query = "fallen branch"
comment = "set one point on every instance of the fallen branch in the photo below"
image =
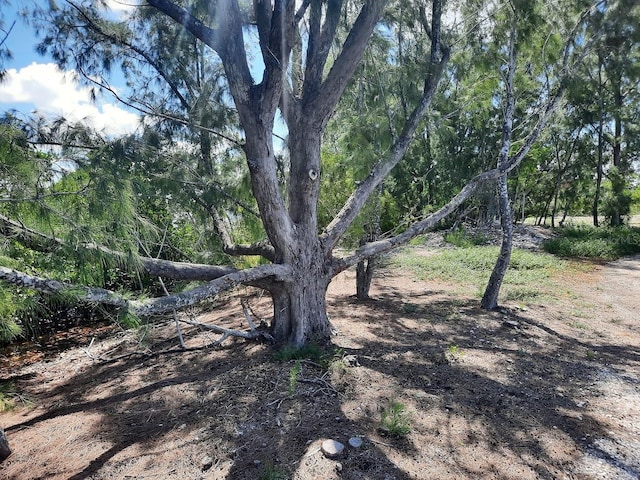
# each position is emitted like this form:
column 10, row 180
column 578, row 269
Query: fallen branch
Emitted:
column 144, row 308
column 227, row 332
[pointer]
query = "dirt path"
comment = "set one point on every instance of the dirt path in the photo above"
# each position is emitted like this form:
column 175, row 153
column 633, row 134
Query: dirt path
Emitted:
column 550, row 391
column 616, row 292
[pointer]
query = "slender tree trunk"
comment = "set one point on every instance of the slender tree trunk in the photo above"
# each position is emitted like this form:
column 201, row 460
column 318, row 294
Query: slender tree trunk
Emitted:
column 619, row 183
column 366, row 268
column 600, row 159
column 490, row 297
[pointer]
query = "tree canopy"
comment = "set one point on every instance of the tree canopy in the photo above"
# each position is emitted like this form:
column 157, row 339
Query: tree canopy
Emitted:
column 271, row 130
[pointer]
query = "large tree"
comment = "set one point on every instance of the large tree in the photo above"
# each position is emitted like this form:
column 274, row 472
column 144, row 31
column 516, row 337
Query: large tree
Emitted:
column 309, row 53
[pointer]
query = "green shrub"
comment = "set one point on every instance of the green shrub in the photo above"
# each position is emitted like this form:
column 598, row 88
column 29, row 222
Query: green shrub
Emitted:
column 395, row 420
column 591, row 242
column 272, row 473
column 463, row 239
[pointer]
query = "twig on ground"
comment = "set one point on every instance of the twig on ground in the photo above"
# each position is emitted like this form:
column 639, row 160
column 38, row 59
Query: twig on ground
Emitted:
column 245, row 309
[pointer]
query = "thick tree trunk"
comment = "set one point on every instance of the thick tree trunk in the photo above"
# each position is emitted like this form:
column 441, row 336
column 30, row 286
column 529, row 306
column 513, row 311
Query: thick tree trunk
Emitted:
column 299, row 307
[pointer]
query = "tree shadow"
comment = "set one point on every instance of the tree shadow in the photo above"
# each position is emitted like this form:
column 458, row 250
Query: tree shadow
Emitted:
column 233, row 411
column 229, row 412
column 535, row 403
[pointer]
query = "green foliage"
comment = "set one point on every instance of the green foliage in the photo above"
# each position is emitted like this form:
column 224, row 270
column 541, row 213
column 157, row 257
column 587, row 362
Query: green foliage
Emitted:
column 592, row 242
column 9, row 308
column 527, row 274
column 464, row 239
column 395, row 420
column 271, row 472
column 128, row 320
column 294, row 373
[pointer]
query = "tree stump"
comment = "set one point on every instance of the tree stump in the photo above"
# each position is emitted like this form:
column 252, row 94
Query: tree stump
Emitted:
column 5, row 451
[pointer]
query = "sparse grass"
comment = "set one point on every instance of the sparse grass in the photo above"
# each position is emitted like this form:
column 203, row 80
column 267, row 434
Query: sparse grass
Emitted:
column 310, row 352
column 528, row 273
column 464, row 239
column 10, row 398
column 583, row 241
column 410, row 308
column 294, row 373
column 272, row 473
column 395, row 420
column 578, row 325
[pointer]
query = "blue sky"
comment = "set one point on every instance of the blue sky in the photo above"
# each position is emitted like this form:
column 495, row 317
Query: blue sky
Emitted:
column 35, row 84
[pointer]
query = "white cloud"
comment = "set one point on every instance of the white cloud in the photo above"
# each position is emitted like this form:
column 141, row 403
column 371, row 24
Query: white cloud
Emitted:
column 122, row 6
column 53, row 92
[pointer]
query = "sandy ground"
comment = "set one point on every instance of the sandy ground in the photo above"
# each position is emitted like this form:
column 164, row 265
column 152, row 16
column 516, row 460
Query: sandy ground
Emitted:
column 550, row 390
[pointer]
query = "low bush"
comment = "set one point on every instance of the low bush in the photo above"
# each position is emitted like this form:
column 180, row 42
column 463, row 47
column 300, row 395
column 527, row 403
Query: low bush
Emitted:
column 592, row 242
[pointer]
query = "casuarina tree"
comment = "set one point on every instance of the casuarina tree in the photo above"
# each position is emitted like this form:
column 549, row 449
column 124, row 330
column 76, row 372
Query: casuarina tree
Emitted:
column 309, row 50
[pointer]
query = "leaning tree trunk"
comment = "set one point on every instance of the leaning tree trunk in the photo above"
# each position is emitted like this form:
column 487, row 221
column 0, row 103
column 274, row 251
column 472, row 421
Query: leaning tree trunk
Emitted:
column 5, row 451
column 490, row 297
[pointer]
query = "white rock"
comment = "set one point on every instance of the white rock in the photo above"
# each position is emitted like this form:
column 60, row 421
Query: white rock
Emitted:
column 332, row 448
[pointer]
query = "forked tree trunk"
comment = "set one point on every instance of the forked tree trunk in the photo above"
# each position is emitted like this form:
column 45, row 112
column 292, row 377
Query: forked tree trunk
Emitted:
column 364, row 276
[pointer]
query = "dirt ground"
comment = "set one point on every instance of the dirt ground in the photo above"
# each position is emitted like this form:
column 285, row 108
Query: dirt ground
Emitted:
column 549, row 390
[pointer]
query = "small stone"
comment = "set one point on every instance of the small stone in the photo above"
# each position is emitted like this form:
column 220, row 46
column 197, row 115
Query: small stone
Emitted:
column 350, row 361
column 332, row 448
column 511, row 323
column 206, row 463
column 338, row 467
column 355, row 442
column 257, row 463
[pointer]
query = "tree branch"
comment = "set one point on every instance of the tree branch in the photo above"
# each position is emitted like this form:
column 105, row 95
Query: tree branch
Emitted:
column 355, row 203
column 320, row 107
column 153, row 266
column 145, row 308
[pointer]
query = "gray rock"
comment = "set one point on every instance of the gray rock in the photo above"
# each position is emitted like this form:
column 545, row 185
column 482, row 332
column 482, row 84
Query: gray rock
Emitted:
column 355, row 442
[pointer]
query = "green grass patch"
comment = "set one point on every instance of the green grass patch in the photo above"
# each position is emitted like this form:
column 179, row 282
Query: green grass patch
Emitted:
column 528, row 274
column 464, row 239
column 584, row 241
column 311, row 352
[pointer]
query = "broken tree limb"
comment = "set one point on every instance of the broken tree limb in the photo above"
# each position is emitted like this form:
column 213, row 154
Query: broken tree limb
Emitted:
column 247, row 314
column 144, row 308
column 227, row 332
column 191, row 297
column 152, row 266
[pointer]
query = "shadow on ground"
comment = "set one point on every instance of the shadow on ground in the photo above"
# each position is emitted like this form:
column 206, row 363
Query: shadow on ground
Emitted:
column 490, row 395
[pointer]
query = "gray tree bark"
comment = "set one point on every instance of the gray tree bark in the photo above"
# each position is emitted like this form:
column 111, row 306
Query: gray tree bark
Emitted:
column 5, row 451
column 490, row 298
